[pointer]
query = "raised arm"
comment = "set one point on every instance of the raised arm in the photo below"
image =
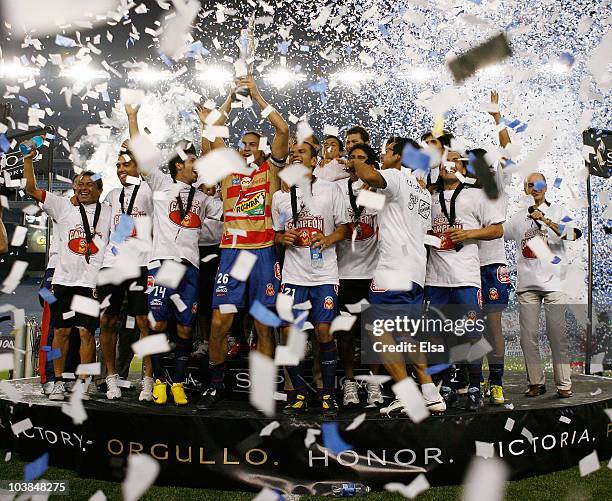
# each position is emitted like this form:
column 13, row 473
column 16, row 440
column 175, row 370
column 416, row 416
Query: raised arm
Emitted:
column 280, row 143
column 32, row 188
column 132, row 114
column 367, row 174
column 203, row 114
column 504, row 137
column 3, row 236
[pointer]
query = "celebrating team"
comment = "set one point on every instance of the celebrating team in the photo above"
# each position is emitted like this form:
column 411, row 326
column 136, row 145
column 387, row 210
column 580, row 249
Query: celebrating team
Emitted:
column 336, row 253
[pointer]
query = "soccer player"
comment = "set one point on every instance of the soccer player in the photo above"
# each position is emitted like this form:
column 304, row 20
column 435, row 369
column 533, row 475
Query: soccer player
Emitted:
column 357, row 259
column 541, row 282
column 332, row 167
column 461, row 215
column 130, row 203
column 248, row 226
column 403, row 223
column 494, row 278
column 309, row 225
column 356, row 135
column 83, row 232
column 440, row 143
column 177, row 219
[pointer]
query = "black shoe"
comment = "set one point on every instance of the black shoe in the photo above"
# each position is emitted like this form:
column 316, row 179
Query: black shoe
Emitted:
column 210, row 397
column 298, row 406
column 329, row 406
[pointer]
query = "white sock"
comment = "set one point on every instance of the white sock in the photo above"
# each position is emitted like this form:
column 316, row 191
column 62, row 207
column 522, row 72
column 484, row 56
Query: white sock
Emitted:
column 430, row 391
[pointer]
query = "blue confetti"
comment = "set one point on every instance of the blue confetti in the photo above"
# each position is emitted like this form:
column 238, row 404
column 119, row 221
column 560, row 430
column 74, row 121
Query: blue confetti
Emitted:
column 514, row 123
column 522, row 128
column 63, row 41
column 114, row 250
column 47, row 295
column 348, row 49
column 434, row 369
column 36, row 468
column 414, row 159
column 96, row 176
column 539, row 185
column 557, row 183
column 556, row 260
column 567, row 59
column 123, row 230
column 283, row 47
column 383, row 29
column 332, row 439
column 5, row 144
column 264, row 315
column 45, row 348
column 53, row 354
column 23, row 99
column 566, row 219
column 305, row 48
column 50, row 136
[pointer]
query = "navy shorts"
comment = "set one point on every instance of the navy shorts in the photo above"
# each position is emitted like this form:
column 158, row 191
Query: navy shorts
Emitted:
column 323, row 298
column 384, row 296
column 163, row 307
column 262, row 284
column 133, row 289
column 496, row 287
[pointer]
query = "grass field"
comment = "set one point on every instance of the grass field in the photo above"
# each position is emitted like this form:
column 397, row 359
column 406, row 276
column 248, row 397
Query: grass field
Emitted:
column 559, row 486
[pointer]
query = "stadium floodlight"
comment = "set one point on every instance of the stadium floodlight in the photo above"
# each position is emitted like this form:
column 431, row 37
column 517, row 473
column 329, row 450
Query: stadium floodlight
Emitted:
column 15, row 70
column 281, row 77
column 351, row 77
column 84, row 73
column 149, row 76
column 215, row 76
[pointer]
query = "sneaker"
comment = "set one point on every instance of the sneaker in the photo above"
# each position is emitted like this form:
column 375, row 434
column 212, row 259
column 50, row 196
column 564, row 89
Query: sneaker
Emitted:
column 113, row 392
column 82, row 386
column 47, row 388
column 58, row 392
column 329, row 406
column 485, row 389
column 474, row 401
column 210, row 397
column 350, row 395
column 449, row 395
column 462, row 390
column 146, row 393
column 435, row 406
column 238, row 350
column 497, row 395
column 201, row 350
column 393, row 408
column 375, row 395
column 69, row 385
column 160, row 397
column 178, row 394
column 298, row 406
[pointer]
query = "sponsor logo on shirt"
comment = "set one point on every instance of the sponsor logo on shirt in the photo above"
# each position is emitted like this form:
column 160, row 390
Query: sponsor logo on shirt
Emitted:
column 328, row 303
column 77, row 242
column 502, row 275
column 527, row 252
column 236, row 181
column 277, row 271
column 365, row 227
column 269, row 290
column 192, row 218
column 150, row 281
column 424, row 209
column 251, row 204
column 309, row 227
column 493, row 294
column 440, row 228
column 194, row 308
column 221, row 290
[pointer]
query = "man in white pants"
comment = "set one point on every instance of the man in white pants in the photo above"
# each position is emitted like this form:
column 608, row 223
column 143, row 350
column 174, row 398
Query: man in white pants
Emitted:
column 540, row 281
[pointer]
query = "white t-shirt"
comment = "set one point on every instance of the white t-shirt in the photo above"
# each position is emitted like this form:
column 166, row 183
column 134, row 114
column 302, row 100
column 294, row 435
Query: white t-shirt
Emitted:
column 173, row 238
column 403, row 223
column 493, row 251
column 211, row 231
column 533, row 274
column 71, row 267
column 53, row 245
column 448, row 267
column 143, row 207
column 321, row 213
column 361, row 263
column 332, row 171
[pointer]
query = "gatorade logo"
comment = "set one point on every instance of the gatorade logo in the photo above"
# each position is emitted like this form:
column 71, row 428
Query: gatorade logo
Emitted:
column 251, row 204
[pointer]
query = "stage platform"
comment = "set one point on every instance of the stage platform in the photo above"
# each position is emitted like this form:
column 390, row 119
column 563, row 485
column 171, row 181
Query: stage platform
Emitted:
column 222, row 448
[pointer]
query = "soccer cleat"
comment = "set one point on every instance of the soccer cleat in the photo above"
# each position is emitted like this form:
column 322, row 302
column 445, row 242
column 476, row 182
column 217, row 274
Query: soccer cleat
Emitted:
column 47, row 388
column 210, row 397
column 496, row 396
column 449, row 395
column 350, row 395
column 146, row 393
column 113, row 392
column 298, row 406
column 58, row 392
column 474, row 401
column 485, row 389
column 375, row 395
column 329, row 406
column 178, row 394
column 160, row 396
column 394, row 408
